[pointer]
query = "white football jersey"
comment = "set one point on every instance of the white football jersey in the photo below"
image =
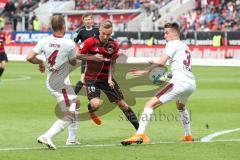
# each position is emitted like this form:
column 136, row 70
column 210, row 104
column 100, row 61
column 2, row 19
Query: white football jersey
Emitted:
column 180, row 61
column 57, row 51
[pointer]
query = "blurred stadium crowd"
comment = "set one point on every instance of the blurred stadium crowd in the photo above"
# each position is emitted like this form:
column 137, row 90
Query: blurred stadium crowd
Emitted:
column 208, row 15
column 212, row 16
column 119, row 4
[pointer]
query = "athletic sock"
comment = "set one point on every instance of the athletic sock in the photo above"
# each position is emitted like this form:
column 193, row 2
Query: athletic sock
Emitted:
column 72, row 128
column 131, row 117
column 184, row 116
column 56, row 128
column 78, row 87
column 145, row 118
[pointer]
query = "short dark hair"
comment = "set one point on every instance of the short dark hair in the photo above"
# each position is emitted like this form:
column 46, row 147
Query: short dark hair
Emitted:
column 86, row 15
column 173, row 26
column 57, row 22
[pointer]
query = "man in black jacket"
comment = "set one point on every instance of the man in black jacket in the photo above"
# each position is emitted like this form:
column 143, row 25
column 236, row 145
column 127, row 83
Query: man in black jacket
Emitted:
column 83, row 33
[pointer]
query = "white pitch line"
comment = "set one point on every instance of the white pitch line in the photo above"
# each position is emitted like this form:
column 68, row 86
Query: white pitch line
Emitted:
column 80, row 146
column 216, row 134
column 21, row 78
column 44, row 147
column 76, row 146
column 226, row 140
column 107, row 145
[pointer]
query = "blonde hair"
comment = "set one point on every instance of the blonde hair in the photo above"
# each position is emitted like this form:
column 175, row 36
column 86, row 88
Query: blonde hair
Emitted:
column 106, row 24
column 57, row 22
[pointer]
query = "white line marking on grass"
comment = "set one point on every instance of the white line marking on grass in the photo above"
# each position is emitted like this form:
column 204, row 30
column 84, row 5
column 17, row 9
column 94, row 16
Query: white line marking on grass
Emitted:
column 43, row 147
column 78, row 146
column 21, row 78
column 226, row 140
column 216, row 134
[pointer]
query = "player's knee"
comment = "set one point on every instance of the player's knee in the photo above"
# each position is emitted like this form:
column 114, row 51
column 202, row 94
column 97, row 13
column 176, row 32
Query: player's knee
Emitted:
column 153, row 103
column 3, row 64
column 122, row 105
column 180, row 106
column 95, row 103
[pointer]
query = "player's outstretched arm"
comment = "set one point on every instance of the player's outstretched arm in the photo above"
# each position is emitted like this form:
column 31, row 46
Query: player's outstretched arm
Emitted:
column 90, row 57
column 159, row 63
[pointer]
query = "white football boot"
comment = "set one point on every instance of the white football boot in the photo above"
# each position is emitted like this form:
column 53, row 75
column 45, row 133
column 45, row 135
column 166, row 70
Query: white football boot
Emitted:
column 47, row 142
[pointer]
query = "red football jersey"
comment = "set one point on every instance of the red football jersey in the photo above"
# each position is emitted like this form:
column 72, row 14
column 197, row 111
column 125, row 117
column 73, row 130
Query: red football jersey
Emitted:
column 2, row 41
column 99, row 70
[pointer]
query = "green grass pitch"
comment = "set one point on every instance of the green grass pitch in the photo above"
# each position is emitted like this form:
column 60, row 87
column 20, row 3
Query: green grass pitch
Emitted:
column 27, row 111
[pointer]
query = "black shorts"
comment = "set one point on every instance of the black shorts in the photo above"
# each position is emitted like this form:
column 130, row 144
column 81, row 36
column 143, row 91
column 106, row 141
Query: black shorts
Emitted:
column 3, row 57
column 94, row 87
column 83, row 66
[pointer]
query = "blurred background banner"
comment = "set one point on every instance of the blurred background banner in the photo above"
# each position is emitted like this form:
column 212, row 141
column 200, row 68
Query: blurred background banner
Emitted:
column 191, row 38
column 202, row 55
column 211, row 28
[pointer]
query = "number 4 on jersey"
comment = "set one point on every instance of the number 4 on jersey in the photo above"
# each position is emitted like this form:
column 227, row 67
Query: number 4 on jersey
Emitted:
column 52, row 58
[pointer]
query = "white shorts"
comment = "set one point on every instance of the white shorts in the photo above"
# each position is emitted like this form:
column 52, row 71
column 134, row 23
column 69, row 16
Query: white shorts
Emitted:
column 176, row 91
column 64, row 93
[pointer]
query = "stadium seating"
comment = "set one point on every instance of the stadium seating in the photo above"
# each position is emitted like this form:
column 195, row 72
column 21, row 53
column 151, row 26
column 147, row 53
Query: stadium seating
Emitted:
column 212, row 16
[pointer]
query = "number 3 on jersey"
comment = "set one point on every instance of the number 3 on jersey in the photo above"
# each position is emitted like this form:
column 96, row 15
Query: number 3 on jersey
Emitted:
column 52, row 58
column 187, row 62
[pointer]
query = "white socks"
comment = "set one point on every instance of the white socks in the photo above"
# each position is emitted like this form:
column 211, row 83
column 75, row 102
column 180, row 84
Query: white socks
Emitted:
column 57, row 127
column 72, row 131
column 184, row 116
column 145, row 118
column 72, row 128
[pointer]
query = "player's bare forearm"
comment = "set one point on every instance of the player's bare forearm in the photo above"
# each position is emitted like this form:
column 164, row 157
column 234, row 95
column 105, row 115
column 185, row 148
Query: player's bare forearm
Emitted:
column 110, row 74
column 111, row 70
column 152, row 66
column 83, row 56
column 159, row 63
column 96, row 57
column 33, row 59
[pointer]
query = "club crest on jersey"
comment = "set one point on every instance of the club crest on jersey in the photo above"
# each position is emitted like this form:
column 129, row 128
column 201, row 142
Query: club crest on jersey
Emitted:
column 110, row 49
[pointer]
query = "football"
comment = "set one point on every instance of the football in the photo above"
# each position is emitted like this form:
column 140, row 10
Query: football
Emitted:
column 156, row 75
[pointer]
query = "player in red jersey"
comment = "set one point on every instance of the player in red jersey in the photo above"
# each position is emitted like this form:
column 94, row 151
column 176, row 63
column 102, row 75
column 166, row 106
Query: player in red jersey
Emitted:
column 3, row 55
column 99, row 75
